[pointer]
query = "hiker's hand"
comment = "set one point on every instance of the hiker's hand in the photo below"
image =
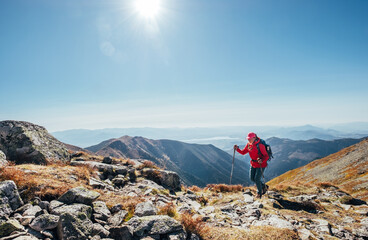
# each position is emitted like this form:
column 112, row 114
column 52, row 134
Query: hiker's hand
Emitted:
column 236, row 147
column 259, row 160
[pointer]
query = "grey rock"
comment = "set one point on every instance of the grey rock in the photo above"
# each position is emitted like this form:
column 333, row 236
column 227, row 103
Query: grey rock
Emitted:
column 33, row 211
column 107, row 169
column 157, row 224
column 24, row 208
column 99, row 230
column 361, row 232
column 177, row 236
column 145, row 209
column 116, row 208
column 305, row 234
column 44, row 222
column 74, row 209
column 100, row 211
column 121, row 232
column 274, row 221
column 95, row 183
column 363, row 211
column 323, row 226
column 9, row 198
column 24, row 142
column 149, row 184
column 167, row 179
column 74, row 226
column 248, row 198
column 364, row 221
column 107, row 160
column 3, row 161
column 120, row 181
column 25, row 238
column 79, row 195
column 9, row 226
column 44, row 205
column 303, row 198
column 55, row 204
column 227, row 208
column 117, row 218
column 25, row 221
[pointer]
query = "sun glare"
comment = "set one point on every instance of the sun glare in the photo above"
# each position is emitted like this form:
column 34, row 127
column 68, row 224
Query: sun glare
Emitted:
column 148, row 8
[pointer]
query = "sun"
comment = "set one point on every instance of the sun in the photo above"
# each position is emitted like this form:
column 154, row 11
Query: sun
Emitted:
column 148, row 8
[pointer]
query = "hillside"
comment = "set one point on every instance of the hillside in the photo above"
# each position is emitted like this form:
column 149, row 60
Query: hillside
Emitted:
column 290, row 154
column 347, row 169
column 196, row 164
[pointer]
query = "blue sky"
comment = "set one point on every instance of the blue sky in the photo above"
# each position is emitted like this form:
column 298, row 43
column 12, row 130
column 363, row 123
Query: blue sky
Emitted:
column 100, row 64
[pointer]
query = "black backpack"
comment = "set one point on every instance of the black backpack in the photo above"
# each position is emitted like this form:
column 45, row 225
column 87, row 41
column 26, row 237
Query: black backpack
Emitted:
column 268, row 149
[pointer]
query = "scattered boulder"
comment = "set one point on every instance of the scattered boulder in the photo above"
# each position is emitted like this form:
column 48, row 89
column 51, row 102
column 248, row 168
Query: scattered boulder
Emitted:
column 120, row 181
column 121, row 232
column 3, row 161
column 9, row 226
column 99, row 230
column 9, row 198
column 117, row 218
column 79, row 195
column 107, row 160
column 274, row 221
column 145, row 209
column 74, row 226
column 167, row 179
column 44, row 222
column 33, row 211
column 100, row 211
column 107, row 169
column 75, row 209
column 24, row 142
column 154, row 225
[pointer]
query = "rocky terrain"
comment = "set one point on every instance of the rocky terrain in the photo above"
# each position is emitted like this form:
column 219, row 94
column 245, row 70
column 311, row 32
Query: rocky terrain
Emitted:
column 24, row 142
column 94, row 197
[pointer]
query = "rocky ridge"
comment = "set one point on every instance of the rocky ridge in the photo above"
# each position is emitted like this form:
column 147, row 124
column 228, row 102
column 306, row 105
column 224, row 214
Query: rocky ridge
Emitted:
column 24, row 142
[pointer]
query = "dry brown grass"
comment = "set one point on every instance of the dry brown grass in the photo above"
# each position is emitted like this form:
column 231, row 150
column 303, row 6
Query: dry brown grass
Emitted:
column 326, row 185
column 169, row 209
column 194, row 225
column 194, row 188
column 148, row 164
column 47, row 182
column 254, row 233
column 224, row 188
column 130, row 162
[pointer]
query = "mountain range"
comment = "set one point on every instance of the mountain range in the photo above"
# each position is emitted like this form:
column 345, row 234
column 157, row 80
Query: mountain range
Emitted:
column 196, row 164
column 200, row 164
column 221, row 137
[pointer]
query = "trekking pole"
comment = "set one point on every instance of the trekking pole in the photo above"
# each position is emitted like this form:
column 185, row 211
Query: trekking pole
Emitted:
column 232, row 167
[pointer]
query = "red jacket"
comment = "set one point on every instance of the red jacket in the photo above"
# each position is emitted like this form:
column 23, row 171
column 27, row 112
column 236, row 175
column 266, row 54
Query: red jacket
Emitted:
column 253, row 153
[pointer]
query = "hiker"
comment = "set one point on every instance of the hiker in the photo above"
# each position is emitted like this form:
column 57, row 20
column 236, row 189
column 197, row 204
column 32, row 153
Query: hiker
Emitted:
column 258, row 161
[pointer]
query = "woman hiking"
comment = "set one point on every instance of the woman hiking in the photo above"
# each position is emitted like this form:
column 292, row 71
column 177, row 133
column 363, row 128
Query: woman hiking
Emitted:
column 258, row 161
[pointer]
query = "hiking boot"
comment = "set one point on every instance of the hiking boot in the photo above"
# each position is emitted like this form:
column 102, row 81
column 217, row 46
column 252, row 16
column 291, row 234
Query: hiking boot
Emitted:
column 264, row 189
column 259, row 196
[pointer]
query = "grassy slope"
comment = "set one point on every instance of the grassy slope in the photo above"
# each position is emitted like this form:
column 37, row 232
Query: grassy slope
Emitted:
column 347, row 169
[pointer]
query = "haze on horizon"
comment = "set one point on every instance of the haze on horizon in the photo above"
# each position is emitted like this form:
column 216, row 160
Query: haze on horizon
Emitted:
column 183, row 63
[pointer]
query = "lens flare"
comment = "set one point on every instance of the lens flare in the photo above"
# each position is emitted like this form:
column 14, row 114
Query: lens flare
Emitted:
column 148, row 8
